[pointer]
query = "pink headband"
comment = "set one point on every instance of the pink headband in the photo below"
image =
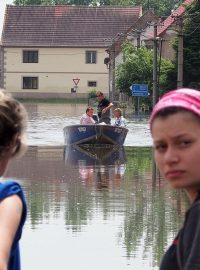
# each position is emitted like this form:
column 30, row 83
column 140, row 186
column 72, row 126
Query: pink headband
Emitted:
column 186, row 98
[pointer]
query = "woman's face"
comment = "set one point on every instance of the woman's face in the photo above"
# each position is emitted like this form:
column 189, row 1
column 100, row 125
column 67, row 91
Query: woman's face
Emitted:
column 177, row 149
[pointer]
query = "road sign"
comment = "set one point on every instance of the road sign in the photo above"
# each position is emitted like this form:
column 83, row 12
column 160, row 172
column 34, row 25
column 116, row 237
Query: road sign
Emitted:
column 76, row 81
column 140, row 94
column 139, row 90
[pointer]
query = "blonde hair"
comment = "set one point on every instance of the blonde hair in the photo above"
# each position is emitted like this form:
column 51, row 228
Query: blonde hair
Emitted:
column 118, row 110
column 13, row 123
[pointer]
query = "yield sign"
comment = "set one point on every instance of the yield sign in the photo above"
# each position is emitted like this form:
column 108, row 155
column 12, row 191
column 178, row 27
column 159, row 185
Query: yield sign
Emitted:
column 76, row 81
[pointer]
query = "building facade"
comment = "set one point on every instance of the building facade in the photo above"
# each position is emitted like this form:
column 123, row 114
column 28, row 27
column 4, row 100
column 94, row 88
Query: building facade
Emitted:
column 59, row 51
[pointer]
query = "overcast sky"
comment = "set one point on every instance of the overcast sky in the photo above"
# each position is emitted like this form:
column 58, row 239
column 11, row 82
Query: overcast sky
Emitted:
column 2, row 10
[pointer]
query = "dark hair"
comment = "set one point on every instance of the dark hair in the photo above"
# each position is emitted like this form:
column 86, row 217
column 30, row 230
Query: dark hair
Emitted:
column 13, row 121
column 99, row 93
column 164, row 113
column 89, row 108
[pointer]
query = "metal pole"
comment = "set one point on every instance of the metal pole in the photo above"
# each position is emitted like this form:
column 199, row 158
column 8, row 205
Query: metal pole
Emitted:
column 109, row 78
column 180, row 54
column 113, row 71
column 138, row 39
column 155, row 66
column 155, row 91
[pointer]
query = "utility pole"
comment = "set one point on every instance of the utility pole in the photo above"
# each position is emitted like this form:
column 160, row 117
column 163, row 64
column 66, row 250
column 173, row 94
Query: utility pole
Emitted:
column 155, row 66
column 155, row 90
column 180, row 53
column 112, row 70
column 138, row 40
column 112, row 54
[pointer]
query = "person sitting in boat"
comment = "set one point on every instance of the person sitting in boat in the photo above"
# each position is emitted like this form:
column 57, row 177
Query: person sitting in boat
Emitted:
column 87, row 118
column 103, row 108
column 120, row 121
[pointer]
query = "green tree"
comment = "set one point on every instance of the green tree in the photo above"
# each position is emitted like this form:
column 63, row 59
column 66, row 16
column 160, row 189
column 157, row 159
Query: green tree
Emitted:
column 138, row 68
column 191, row 41
column 52, row 2
column 161, row 7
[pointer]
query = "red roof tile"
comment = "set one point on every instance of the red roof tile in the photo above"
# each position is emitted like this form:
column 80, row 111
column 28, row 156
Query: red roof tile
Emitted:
column 176, row 13
column 65, row 26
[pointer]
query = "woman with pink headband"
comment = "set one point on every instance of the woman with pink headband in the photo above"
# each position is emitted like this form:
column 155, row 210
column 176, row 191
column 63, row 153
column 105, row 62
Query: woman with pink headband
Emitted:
column 175, row 129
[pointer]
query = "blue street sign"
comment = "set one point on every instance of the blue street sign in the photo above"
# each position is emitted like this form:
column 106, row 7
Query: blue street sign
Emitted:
column 139, row 90
column 140, row 94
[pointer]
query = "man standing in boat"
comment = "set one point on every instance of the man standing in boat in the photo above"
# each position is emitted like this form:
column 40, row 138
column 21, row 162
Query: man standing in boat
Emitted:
column 103, row 108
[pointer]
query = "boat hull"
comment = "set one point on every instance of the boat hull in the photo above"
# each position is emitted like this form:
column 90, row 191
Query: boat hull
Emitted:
column 94, row 134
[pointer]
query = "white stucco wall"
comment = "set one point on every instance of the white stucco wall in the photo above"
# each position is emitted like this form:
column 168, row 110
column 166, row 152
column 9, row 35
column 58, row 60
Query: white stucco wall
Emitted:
column 56, row 70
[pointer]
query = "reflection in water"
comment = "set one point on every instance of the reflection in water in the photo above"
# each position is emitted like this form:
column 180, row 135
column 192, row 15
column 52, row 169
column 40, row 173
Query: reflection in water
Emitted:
column 99, row 164
column 90, row 206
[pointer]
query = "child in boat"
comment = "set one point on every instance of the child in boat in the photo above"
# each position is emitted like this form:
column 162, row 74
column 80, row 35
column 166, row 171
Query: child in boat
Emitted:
column 87, row 117
column 120, row 121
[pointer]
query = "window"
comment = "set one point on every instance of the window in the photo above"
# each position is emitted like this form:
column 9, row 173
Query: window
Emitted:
column 92, row 84
column 30, row 56
column 30, row 82
column 91, row 57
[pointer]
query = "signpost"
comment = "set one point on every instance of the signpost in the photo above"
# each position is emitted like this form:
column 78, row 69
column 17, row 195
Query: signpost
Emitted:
column 76, row 81
column 75, row 88
column 139, row 90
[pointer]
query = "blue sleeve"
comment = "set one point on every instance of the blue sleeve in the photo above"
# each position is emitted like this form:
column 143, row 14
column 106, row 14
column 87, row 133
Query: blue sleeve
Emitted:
column 10, row 188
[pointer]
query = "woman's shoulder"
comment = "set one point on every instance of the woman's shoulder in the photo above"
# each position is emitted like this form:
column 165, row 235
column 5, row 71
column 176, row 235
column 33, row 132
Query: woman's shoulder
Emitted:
column 9, row 188
column 194, row 209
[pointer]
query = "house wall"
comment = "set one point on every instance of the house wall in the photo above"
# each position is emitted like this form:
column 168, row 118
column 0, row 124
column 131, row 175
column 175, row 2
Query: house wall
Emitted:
column 147, row 33
column 56, row 69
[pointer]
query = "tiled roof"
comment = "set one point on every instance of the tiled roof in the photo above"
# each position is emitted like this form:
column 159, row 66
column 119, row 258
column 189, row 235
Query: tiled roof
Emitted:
column 143, row 21
column 136, row 28
column 66, row 26
column 176, row 13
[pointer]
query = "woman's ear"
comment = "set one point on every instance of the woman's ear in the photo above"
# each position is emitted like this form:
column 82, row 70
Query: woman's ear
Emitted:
column 15, row 144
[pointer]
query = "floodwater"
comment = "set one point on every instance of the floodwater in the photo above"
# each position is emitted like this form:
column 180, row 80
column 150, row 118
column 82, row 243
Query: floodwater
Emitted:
column 92, row 208
column 46, row 123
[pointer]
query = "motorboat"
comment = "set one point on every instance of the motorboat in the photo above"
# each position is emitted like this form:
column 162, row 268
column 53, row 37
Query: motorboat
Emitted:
column 94, row 134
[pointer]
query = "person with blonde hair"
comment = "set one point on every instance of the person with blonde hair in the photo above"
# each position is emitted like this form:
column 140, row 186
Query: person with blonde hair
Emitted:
column 120, row 121
column 13, row 123
column 175, row 129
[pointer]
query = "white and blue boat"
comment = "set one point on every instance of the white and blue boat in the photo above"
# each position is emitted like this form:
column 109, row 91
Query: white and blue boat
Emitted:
column 94, row 134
